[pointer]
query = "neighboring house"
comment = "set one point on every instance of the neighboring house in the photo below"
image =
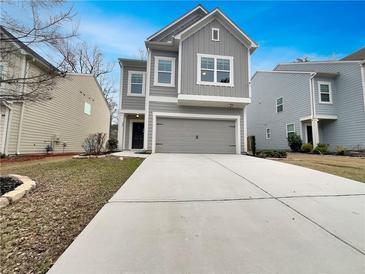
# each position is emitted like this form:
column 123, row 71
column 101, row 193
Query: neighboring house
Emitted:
column 323, row 102
column 77, row 109
column 190, row 96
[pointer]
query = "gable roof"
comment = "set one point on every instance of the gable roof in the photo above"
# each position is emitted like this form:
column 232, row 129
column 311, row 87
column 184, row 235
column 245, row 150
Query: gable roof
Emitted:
column 168, row 31
column 234, row 29
column 27, row 49
column 355, row 56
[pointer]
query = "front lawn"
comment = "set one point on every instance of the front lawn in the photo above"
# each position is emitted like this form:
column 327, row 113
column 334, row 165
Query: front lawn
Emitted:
column 36, row 230
column 348, row 167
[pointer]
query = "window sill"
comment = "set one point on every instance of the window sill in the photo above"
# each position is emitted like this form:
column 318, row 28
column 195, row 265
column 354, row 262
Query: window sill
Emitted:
column 164, row 85
column 325, row 103
column 135, row 95
column 215, row 84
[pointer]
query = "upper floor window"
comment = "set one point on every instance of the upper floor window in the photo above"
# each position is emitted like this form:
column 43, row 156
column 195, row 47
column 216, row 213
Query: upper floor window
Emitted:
column 279, row 105
column 87, row 108
column 136, row 83
column 268, row 134
column 325, row 92
column 290, row 129
column 215, row 34
column 2, row 72
column 164, row 71
column 215, row 70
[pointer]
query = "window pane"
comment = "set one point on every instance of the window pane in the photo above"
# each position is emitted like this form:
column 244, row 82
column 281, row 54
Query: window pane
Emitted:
column 325, row 88
column 325, row 97
column 164, row 77
column 279, row 101
column 136, row 88
column 222, row 77
column 290, row 128
column 137, row 78
column 207, row 63
column 279, row 108
column 164, row 65
column 207, row 76
column 87, row 108
column 223, row 64
column 215, row 34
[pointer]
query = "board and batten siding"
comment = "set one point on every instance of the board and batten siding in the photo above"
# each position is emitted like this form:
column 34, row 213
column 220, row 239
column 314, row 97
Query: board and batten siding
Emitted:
column 294, row 88
column 174, row 108
column 156, row 90
column 63, row 117
column 348, row 102
column 131, row 102
column 201, row 42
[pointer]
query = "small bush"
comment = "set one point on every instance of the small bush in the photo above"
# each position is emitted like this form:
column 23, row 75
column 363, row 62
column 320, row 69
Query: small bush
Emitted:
column 320, row 149
column 112, row 144
column 294, row 142
column 306, row 148
column 340, row 150
column 271, row 154
column 94, row 143
column 48, row 148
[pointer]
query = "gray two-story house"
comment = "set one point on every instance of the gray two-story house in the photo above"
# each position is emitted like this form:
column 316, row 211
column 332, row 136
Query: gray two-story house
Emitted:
column 191, row 94
column 323, row 102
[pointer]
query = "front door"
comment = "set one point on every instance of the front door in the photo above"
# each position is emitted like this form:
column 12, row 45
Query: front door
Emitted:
column 137, row 135
column 309, row 135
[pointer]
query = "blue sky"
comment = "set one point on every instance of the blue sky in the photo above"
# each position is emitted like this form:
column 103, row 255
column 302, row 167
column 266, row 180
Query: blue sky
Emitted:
column 283, row 30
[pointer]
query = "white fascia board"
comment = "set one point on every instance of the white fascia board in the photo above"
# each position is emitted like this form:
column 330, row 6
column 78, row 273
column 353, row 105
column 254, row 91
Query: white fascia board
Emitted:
column 163, row 99
column 177, row 21
column 213, row 99
column 132, row 111
column 282, row 71
column 319, row 116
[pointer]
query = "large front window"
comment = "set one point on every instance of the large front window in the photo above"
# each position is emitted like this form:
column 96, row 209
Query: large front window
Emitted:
column 215, row 70
column 164, row 71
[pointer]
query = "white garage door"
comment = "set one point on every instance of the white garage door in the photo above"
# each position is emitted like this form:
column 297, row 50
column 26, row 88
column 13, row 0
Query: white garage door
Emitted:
column 195, row 136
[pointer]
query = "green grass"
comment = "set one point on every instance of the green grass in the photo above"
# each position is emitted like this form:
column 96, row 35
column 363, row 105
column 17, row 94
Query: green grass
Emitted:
column 36, row 230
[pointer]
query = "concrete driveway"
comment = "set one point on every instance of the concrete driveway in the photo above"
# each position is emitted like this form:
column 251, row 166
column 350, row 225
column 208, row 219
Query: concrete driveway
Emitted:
column 224, row 214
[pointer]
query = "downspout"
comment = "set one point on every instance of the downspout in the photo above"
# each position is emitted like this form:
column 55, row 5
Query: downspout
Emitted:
column 147, row 98
column 314, row 120
column 8, row 122
column 25, row 68
column 362, row 71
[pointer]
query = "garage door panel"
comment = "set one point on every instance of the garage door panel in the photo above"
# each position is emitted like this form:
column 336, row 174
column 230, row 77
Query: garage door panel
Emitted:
column 195, row 136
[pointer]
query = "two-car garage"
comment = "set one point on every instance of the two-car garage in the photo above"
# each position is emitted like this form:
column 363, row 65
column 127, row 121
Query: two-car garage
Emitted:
column 190, row 134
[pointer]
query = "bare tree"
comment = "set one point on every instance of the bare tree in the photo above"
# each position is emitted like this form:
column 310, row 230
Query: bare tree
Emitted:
column 302, row 60
column 142, row 54
column 33, row 29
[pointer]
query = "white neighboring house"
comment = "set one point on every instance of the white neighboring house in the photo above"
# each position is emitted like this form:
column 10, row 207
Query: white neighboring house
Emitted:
column 191, row 94
column 77, row 109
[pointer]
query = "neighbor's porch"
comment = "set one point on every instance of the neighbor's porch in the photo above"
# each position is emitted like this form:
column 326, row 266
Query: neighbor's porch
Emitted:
column 312, row 128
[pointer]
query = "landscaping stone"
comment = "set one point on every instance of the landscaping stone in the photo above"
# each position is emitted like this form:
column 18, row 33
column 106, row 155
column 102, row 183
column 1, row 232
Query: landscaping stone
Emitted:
column 16, row 194
column 3, row 202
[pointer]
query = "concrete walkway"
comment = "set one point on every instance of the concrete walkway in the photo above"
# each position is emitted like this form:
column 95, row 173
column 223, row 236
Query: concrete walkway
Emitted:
column 224, row 214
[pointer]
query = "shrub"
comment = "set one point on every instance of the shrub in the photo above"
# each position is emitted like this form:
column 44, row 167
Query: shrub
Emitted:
column 271, row 154
column 94, row 143
column 48, row 148
column 320, row 149
column 340, row 150
column 112, row 144
column 294, row 142
column 306, row 148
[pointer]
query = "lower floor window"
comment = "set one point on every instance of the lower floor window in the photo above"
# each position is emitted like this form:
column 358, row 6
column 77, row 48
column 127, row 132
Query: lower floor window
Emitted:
column 268, row 133
column 290, row 129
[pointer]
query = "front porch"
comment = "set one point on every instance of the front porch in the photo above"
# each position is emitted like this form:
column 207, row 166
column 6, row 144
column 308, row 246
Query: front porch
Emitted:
column 312, row 128
column 131, row 131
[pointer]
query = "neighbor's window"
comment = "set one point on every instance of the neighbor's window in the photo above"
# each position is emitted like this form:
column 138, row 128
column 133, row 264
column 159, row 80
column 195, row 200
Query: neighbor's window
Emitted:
column 290, row 129
column 164, row 71
column 215, row 70
column 87, row 108
column 2, row 73
column 279, row 105
column 136, row 83
column 268, row 133
column 325, row 92
column 215, row 34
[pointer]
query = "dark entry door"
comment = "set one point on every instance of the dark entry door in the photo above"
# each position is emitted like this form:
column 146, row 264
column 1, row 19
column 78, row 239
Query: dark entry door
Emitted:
column 137, row 135
column 309, row 135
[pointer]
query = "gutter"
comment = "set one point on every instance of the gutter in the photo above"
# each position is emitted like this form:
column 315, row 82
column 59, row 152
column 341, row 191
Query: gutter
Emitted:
column 25, row 68
column 312, row 96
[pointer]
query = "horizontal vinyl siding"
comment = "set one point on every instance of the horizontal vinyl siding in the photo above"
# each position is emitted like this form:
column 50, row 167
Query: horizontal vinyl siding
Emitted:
column 325, row 109
column 14, row 127
column 261, row 113
column 349, row 129
column 131, row 102
column 173, row 108
column 158, row 90
column 64, row 116
column 201, row 42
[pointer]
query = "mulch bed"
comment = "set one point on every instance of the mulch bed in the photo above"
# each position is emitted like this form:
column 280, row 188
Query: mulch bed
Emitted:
column 8, row 184
column 23, row 158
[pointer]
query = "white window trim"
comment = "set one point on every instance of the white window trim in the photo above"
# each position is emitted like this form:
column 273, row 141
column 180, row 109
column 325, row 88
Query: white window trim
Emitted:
column 330, row 92
column 215, row 83
column 286, row 129
column 266, row 135
column 172, row 83
column 276, row 104
column 218, row 39
column 129, row 92
column 90, row 108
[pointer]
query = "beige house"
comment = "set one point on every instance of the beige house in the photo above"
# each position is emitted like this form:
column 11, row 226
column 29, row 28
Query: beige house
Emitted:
column 77, row 108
